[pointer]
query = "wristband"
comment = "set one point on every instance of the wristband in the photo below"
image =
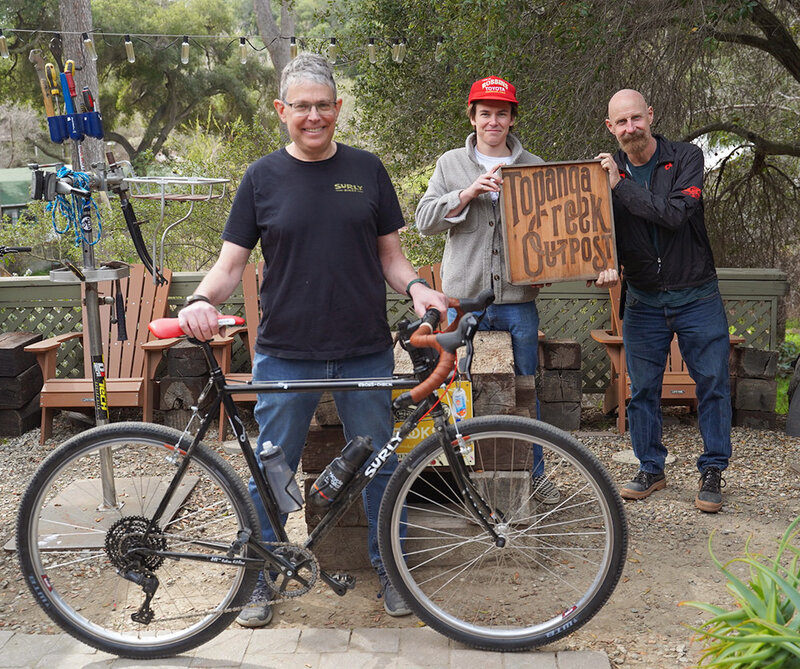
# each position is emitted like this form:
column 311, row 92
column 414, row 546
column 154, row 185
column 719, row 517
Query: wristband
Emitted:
column 412, row 282
column 196, row 298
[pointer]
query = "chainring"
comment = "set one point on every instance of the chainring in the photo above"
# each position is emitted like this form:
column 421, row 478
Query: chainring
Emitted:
column 305, row 567
column 126, row 536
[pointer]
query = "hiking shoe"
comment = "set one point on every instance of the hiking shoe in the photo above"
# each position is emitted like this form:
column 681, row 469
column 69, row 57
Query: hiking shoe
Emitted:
column 544, row 490
column 709, row 498
column 393, row 603
column 258, row 611
column 643, row 485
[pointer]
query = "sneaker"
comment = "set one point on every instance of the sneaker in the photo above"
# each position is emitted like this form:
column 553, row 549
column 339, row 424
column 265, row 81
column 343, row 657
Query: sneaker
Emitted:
column 258, row 611
column 544, row 490
column 393, row 603
column 709, row 498
column 643, row 485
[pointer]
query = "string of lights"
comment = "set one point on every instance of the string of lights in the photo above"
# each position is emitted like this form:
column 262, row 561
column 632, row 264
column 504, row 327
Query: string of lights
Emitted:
column 397, row 46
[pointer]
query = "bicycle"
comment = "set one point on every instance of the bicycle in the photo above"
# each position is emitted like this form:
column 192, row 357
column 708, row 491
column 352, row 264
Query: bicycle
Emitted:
column 168, row 565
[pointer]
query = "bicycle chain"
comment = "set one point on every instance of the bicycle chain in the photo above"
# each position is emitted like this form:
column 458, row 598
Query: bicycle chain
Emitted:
column 236, row 609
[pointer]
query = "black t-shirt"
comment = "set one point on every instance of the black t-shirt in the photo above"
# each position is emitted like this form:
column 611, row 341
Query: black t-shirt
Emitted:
column 323, row 294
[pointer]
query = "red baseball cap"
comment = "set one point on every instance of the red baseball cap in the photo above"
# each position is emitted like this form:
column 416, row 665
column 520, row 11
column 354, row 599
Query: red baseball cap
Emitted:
column 492, row 88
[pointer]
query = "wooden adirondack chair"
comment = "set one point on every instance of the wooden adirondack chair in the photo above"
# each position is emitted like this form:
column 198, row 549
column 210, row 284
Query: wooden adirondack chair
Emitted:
column 431, row 274
column 130, row 365
column 678, row 387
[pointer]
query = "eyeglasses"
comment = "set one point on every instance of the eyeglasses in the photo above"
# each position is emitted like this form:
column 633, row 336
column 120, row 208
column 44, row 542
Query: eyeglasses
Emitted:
column 304, row 108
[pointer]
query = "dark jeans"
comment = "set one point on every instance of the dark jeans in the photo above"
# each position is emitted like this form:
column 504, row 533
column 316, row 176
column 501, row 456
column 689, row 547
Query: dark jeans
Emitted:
column 702, row 330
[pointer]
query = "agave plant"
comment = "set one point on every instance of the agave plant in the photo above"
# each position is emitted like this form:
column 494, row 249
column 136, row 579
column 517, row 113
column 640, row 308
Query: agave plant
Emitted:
column 763, row 631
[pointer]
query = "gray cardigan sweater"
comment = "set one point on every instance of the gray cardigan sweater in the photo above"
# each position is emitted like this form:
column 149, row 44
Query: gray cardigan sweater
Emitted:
column 474, row 256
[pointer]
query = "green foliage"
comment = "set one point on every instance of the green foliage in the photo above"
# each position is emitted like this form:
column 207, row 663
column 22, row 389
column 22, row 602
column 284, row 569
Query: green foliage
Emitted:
column 761, row 632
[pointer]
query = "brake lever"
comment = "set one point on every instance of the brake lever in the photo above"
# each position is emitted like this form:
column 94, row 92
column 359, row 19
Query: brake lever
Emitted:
column 465, row 362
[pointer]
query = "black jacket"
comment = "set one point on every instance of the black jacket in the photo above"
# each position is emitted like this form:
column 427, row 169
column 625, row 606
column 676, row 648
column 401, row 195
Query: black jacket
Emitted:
column 671, row 211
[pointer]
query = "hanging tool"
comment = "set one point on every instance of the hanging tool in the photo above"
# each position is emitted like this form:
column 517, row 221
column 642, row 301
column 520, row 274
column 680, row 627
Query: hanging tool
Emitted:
column 88, row 100
column 52, row 81
column 35, row 56
column 69, row 73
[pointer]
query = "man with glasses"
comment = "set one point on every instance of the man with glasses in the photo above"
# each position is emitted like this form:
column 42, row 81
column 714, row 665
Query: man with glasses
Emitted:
column 326, row 216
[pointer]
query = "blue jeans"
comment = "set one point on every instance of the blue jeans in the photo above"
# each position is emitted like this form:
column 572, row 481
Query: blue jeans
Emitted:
column 521, row 321
column 284, row 418
column 702, row 330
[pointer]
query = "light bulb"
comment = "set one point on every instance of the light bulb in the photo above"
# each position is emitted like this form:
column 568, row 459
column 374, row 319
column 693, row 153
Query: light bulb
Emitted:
column 129, row 49
column 242, row 50
column 88, row 44
column 332, row 50
column 185, row 50
column 437, row 54
column 396, row 50
column 3, row 46
column 372, row 51
column 292, row 46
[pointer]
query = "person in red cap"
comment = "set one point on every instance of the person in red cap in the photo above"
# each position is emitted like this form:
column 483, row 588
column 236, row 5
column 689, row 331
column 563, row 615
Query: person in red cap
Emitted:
column 462, row 200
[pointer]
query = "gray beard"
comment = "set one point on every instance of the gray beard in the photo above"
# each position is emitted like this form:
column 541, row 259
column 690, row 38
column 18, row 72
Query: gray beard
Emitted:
column 635, row 144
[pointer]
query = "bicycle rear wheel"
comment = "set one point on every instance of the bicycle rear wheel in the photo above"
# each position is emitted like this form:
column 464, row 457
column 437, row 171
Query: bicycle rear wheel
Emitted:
column 73, row 546
column 560, row 561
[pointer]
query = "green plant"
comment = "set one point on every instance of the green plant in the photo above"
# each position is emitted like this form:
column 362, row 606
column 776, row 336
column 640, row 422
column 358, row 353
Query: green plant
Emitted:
column 762, row 632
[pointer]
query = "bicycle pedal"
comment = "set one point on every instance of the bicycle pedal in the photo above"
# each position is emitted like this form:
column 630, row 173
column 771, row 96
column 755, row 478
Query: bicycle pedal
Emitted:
column 339, row 583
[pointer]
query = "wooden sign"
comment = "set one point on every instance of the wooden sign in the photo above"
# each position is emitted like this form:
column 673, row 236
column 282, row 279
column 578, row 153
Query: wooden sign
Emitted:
column 558, row 222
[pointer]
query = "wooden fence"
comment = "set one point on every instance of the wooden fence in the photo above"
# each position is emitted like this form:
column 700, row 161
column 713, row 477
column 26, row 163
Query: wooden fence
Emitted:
column 753, row 299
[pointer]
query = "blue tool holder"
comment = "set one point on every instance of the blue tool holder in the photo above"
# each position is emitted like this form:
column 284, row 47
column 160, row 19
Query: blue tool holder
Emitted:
column 75, row 126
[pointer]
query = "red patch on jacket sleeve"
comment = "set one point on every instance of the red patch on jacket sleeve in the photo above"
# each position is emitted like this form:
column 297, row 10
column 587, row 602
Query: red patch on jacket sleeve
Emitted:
column 668, row 166
column 693, row 191
column 622, row 175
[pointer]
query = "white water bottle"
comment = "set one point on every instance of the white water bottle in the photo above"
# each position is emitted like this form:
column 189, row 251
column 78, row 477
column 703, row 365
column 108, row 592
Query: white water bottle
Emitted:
column 281, row 479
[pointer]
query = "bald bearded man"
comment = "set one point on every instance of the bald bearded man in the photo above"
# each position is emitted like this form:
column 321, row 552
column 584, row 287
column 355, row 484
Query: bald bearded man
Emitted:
column 669, row 287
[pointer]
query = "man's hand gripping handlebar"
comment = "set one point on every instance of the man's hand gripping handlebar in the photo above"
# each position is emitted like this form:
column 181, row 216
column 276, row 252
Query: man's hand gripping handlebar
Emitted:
column 459, row 333
column 165, row 328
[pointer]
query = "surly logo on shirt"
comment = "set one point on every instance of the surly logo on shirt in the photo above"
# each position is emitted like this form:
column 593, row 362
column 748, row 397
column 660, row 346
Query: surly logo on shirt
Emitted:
column 348, row 188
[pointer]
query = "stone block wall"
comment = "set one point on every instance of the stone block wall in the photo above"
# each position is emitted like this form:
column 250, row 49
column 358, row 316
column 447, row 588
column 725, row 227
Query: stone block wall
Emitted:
column 754, row 387
column 559, row 383
column 20, row 383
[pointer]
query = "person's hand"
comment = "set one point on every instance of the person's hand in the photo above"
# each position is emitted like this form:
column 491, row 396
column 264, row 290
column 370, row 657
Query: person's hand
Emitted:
column 489, row 182
column 606, row 278
column 427, row 298
column 608, row 163
column 199, row 320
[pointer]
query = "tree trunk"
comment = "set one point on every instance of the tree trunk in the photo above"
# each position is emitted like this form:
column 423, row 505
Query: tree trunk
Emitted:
column 76, row 18
column 274, row 36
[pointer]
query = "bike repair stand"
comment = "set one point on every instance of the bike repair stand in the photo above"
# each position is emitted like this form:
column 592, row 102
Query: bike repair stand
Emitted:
column 81, row 118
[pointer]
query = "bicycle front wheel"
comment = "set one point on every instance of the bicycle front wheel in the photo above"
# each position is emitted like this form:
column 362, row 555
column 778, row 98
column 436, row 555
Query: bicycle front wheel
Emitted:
column 82, row 528
column 560, row 523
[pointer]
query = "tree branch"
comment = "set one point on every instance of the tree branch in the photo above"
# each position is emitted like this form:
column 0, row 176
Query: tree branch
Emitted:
column 761, row 144
column 48, row 150
column 112, row 136
column 777, row 41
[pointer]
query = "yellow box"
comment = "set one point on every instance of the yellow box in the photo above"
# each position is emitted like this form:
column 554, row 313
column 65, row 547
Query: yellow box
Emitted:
column 425, row 427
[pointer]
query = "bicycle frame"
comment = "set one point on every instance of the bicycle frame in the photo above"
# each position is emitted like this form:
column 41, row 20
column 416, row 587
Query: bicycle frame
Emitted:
column 349, row 493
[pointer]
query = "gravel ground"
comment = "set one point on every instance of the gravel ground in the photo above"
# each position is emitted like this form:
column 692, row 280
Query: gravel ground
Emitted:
column 668, row 562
